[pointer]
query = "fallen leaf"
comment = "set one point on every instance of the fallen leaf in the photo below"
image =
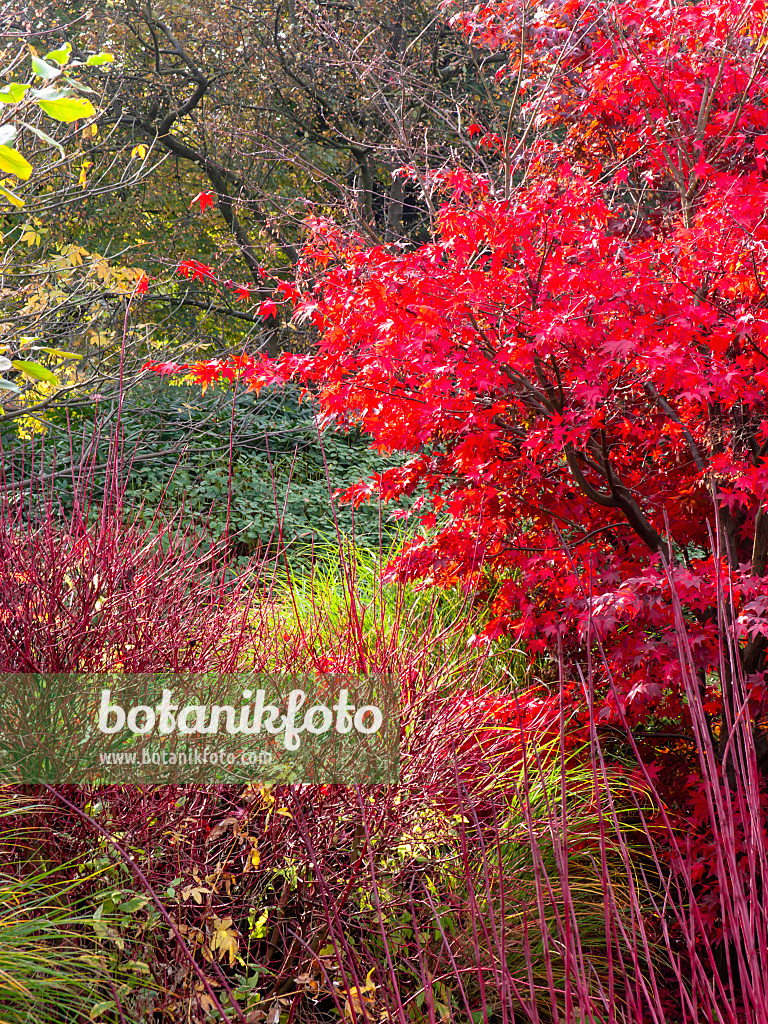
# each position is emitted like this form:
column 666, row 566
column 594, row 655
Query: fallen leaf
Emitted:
column 221, row 828
column 195, row 891
column 361, row 999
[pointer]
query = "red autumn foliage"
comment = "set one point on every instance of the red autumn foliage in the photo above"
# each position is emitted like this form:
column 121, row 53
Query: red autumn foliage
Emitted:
column 267, row 308
column 195, row 270
column 576, row 360
column 205, row 199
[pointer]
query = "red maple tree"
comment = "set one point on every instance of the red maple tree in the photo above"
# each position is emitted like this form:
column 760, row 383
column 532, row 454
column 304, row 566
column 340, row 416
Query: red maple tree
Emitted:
column 577, row 360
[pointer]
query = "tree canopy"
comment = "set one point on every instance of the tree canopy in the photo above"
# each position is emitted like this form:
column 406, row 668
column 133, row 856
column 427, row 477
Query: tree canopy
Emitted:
column 576, row 358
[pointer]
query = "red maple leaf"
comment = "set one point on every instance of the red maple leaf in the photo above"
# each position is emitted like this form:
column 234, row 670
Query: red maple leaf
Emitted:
column 205, row 199
column 192, row 269
column 165, row 368
column 267, row 308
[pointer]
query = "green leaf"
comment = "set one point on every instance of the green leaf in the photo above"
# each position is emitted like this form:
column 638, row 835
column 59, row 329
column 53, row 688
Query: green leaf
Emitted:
column 43, row 70
column 73, row 82
column 67, row 109
column 98, row 59
column 46, row 138
column 134, row 904
column 58, row 352
column 35, row 370
column 8, row 385
column 138, row 965
column 61, row 56
column 259, row 926
column 99, row 1008
column 13, row 93
column 7, row 134
column 11, row 196
column 50, row 92
column 12, row 162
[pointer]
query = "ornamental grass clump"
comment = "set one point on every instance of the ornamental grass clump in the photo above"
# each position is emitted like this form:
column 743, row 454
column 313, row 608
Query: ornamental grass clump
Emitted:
column 530, row 865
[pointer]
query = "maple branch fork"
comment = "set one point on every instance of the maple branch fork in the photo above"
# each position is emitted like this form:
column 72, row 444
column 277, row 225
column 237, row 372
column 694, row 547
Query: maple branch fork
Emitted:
column 619, row 497
column 667, row 407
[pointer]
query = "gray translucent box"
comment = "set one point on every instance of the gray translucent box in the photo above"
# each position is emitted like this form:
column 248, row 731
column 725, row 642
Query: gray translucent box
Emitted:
column 162, row 728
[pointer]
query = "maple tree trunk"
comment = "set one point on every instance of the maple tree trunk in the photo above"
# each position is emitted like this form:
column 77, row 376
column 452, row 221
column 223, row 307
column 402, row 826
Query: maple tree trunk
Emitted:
column 395, row 209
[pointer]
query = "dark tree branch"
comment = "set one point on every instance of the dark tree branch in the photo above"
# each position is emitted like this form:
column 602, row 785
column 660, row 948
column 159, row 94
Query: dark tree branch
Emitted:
column 667, row 407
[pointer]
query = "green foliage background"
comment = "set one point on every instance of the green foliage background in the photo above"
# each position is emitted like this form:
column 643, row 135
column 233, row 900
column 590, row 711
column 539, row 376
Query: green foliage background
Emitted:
column 177, row 447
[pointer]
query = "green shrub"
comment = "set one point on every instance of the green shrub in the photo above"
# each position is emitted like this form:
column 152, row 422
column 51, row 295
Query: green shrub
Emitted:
column 179, row 445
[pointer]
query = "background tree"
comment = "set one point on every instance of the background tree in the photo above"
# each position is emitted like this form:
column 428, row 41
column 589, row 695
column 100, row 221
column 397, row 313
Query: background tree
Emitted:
column 119, row 199
column 264, row 114
column 305, row 110
column 61, row 335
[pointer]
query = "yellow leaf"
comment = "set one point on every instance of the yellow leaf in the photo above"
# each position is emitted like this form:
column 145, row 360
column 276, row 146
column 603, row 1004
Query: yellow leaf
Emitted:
column 31, row 237
column 83, row 180
column 361, row 998
column 259, row 926
column 254, row 857
column 38, row 300
column 355, row 1003
column 11, row 196
column 60, row 353
column 67, row 109
column 100, row 338
column 90, row 131
column 61, row 56
column 224, row 939
column 12, row 162
column 103, row 269
column 36, row 370
column 140, row 151
column 73, row 254
column 195, row 891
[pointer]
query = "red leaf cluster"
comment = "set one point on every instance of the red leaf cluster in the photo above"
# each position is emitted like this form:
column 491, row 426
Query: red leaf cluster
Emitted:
column 577, row 364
